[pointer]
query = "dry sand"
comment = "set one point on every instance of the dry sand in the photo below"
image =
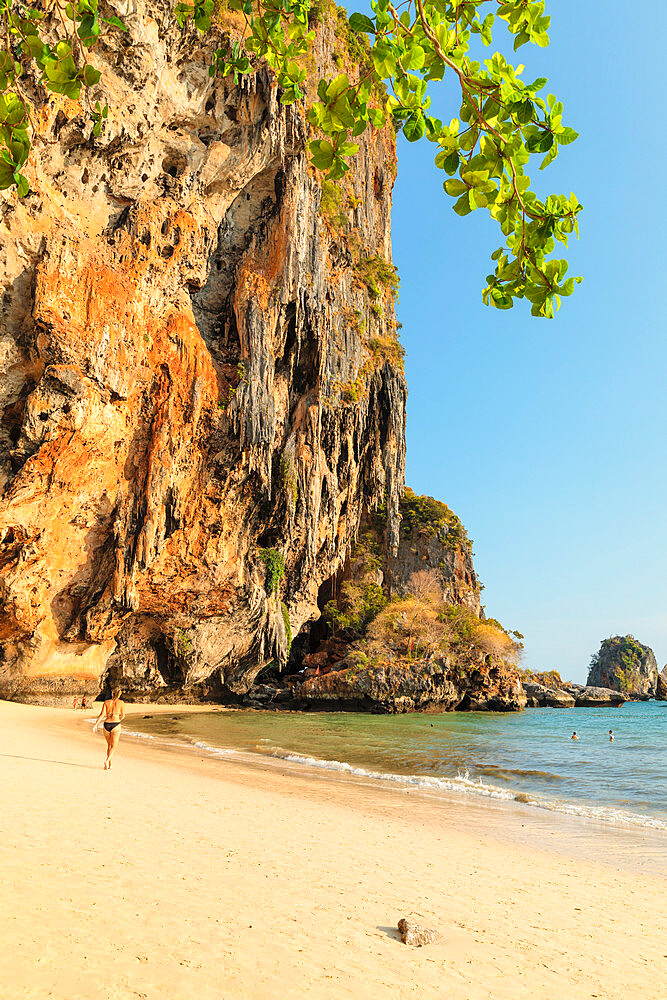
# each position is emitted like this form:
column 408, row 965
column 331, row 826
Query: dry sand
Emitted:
column 173, row 877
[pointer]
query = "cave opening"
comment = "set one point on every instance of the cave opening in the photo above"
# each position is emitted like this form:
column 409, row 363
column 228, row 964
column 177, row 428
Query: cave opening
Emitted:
column 317, row 630
column 268, row 539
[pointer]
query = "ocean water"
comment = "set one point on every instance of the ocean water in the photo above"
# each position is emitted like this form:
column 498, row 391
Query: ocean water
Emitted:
column 528, row 756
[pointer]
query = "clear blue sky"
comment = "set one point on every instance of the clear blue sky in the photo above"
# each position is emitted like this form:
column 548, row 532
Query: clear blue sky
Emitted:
column 548, row 437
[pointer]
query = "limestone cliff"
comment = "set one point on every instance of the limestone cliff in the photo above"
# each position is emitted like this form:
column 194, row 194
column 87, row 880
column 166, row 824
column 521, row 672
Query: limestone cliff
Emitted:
column 625, row 665
column 200, row 377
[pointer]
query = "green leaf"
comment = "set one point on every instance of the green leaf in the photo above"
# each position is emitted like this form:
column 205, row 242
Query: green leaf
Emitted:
column 451, row 164
column 22, row 185
column 568, row 286
column 550, row 157
column 462, row 206
column 414, row 58
column 540, row 142
column 567, row 136
column 455, row 187
column 115, row 22
column 89, row 30
column 341, row 114
column 414, row 127
column 323, row 154
column 337, row 87
column 6, row 174
column 91, row 76
column 384, row 62
column 524, row 112
column 36, row 46
column 359, row 22
column 338, row 169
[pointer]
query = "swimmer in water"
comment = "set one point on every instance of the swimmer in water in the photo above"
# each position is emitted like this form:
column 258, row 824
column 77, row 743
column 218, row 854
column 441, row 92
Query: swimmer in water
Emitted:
column 574, row 735
column 611, row 735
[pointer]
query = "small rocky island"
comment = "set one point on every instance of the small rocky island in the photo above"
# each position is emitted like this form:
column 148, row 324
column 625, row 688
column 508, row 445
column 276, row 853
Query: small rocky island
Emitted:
column 626, row 665
column 622, row 670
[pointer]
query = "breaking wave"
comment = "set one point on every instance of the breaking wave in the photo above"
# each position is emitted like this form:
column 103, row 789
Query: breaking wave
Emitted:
column 465, row 784
column 462, row 784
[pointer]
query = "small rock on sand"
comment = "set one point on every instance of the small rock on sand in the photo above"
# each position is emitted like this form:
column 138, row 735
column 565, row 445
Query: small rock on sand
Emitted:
column 414, row 934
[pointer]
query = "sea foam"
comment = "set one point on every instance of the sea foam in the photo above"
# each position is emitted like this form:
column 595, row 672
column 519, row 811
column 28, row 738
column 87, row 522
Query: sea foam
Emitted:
column 462, row 784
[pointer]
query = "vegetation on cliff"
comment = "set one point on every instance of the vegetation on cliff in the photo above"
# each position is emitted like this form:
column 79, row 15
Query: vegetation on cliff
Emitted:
column 422, row 626
column 411, row 652
column 275, row 568
column 415, row 621
column 406, row 632
column 432, row 517
column 502, row 122
column 549, row 678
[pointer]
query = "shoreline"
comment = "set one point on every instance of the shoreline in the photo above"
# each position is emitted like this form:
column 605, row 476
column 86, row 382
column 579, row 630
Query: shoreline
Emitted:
column 459, row 788
column 571, row 832
column 260, row 876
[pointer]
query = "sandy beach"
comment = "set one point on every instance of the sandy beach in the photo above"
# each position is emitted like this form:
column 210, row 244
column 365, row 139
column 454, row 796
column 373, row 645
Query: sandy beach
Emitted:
column 179, row 877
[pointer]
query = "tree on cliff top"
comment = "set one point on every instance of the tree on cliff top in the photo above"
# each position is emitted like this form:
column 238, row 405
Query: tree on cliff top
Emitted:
column 502, row 121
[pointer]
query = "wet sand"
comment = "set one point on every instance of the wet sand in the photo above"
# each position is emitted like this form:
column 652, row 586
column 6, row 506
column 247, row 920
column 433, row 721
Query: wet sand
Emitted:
column 181, row 877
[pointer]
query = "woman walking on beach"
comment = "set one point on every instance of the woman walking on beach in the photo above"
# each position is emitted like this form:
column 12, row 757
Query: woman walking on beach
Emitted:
column 114, row 712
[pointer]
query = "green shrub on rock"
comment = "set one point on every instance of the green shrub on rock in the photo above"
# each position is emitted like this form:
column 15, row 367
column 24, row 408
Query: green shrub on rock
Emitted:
column 275, row 568
column 357, row 606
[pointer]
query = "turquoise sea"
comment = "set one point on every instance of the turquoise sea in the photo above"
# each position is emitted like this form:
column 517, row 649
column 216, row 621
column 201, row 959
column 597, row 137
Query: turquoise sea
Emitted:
column 528, row 756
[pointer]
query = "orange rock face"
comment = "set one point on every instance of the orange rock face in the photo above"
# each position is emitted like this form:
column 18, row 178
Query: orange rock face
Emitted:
column 181, row 324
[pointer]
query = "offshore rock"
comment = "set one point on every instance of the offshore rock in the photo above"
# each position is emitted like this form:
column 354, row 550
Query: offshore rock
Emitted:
column 599, row 697
column 194, row 366
column 541, row 696
column 626, row 665
column 661, row 686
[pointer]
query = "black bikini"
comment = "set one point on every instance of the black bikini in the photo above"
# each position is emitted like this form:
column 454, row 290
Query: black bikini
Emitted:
column 109, row 726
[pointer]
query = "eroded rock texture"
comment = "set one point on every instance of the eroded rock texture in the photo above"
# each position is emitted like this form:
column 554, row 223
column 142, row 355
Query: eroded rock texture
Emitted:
column 542, row 696
column 194, row 366
column 415, row 934
column 437, row 685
